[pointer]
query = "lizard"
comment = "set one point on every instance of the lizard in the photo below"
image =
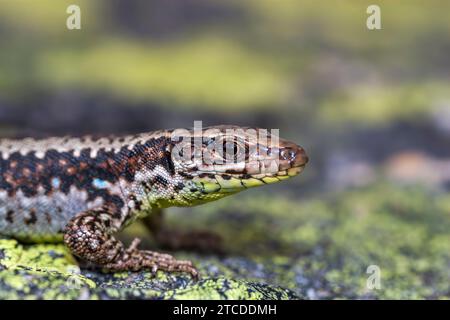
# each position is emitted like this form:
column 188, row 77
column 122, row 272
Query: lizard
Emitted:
column 83, row 190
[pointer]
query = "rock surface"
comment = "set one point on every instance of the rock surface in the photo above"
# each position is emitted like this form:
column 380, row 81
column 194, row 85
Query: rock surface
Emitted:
column 276, row 248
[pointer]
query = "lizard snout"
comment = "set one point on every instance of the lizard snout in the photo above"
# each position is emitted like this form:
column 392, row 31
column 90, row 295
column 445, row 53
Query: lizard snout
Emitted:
column 292, row 155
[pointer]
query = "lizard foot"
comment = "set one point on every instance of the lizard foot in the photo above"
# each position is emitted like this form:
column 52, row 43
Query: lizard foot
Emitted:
column 133, row 259
column 89, row 236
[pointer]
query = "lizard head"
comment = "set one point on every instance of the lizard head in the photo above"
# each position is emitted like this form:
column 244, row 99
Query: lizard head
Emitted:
column 214, row 162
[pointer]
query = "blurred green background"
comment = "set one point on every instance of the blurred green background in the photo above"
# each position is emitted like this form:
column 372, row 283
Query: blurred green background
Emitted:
column 372, row 109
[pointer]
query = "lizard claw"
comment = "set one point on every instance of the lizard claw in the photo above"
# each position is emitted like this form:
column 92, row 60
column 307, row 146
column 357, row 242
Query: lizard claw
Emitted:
column 154, row 269
column 134, row 244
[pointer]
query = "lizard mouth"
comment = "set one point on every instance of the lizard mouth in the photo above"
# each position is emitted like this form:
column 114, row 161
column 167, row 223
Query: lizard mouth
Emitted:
column 293, row 171
column 285, row 174
column 233, row 183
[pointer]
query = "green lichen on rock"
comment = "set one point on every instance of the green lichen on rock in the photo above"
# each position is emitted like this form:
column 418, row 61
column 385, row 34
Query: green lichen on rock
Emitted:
column 276, row 248
column 49, row 272
column 322, row 247
column 39, row 271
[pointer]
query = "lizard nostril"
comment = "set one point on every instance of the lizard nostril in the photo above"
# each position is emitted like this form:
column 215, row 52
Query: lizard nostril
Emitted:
column 292, row 154
column 288, row 154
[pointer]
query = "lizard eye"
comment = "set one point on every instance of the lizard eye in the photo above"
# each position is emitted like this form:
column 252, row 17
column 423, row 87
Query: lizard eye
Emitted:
column 234, row 150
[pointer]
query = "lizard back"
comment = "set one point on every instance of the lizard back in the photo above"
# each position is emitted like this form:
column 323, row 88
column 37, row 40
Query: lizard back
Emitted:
column 45, row 182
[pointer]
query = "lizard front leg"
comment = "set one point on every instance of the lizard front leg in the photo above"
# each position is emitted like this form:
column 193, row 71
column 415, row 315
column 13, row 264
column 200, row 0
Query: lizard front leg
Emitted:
column 89, row 235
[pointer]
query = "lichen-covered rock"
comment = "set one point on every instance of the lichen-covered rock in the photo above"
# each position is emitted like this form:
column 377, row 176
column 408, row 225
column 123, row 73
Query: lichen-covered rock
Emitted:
column 49, row 272
column 276, row 248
